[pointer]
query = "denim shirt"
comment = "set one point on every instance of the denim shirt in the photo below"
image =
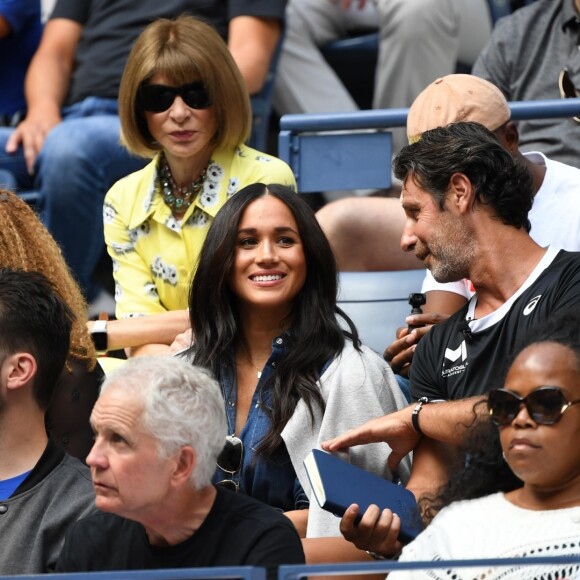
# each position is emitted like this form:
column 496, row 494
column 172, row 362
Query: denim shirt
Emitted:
column 272, row 479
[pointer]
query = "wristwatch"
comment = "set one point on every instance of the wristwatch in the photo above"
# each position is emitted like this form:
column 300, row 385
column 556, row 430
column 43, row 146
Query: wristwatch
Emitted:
column 99, row 336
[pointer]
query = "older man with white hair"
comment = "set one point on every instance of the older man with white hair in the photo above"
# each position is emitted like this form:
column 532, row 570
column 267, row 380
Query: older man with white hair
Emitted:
column 159, row 427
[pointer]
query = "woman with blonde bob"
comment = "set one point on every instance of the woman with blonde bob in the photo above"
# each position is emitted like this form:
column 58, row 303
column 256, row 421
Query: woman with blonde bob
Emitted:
column 182, row 103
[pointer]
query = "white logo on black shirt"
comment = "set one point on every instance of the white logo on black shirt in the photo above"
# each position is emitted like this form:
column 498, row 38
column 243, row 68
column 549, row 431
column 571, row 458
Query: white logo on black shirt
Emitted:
column 453, row 355
column 531, row 305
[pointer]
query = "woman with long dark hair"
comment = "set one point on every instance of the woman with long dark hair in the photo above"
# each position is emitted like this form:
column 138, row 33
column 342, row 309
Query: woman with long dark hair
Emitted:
column 264, row 316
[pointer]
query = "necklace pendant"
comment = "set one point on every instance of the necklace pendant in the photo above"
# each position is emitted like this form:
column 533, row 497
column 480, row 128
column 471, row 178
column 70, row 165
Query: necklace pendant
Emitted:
column 259, row 374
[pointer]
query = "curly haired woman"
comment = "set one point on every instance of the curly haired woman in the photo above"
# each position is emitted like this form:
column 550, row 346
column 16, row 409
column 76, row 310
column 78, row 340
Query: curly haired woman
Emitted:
column 25, row 244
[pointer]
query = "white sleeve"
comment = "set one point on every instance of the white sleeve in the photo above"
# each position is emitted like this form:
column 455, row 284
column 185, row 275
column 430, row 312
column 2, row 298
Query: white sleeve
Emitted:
column 462, row 287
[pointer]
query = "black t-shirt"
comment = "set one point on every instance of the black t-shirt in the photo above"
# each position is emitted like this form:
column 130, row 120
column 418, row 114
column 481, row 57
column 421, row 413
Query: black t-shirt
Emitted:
column 450, row 364
column 110, row 27
column 238, row 531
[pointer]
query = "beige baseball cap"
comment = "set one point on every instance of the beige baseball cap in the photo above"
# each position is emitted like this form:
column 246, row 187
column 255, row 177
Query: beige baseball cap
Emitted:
column 454, row 98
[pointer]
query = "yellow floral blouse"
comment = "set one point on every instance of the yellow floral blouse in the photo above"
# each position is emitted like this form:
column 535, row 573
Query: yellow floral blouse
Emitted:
column 154, row 254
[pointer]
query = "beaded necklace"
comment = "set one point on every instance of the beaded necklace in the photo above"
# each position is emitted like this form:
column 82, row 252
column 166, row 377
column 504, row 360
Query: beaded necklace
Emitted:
column 177, row 198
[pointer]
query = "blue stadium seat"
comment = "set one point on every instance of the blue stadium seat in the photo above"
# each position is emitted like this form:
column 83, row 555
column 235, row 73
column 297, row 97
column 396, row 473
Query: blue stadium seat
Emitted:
column 299, row 572
column 224, row 573
column 346, row 151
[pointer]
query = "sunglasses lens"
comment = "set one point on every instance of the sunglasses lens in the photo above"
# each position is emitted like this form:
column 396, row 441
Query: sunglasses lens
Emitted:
column 545, row 405
column 503, row 406
column 156, row 98
column 195, row 96
column 230, row 458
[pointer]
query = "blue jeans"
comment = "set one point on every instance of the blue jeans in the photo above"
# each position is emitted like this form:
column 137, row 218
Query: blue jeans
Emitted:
column 7, row 180
column 80, row 160
column 404, row 385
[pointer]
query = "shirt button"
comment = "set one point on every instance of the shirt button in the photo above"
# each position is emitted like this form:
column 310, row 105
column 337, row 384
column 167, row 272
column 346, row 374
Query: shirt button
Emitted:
column 230, row 403
column 3, row 509
column 274, row 364
column 279, row 341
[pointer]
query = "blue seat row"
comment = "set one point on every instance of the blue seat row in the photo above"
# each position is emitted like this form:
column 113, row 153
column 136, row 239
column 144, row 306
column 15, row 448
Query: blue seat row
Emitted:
column 297, row 572
column 345, row 151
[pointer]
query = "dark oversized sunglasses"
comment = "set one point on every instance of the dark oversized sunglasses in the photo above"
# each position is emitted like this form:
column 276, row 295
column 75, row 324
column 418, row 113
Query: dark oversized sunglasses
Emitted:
column 545, row 405
column 158, row 98
column 230, row 461
column 567, row 88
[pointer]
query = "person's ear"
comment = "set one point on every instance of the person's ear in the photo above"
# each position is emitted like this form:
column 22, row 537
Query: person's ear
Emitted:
column 461, row 193
column 511, row 137
column 20, row 370
column 185, row 464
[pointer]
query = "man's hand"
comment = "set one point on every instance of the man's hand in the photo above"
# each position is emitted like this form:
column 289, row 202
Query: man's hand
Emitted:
column 376, row 532
column 32, row 133
column 399, row 354
column 396, row 429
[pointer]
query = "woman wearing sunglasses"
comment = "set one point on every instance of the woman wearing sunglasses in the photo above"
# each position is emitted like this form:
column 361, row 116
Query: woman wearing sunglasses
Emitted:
column 263, row 313
column 521, row 471
column 183, row 103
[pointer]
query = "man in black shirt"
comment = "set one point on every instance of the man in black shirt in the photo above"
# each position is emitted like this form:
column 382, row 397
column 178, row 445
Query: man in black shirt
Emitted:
column 159, row 427
column 466, row 201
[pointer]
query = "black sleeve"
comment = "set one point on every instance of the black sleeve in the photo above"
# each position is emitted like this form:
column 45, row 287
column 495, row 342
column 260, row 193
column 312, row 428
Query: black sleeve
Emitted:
column 67, row 561
column 77, row 10
column 423, row 379
column 259, row 8
column 278, row 545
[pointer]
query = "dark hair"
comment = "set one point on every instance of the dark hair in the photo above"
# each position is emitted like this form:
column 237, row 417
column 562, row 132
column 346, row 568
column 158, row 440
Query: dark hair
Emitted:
column 35, row 319
column 480, row 468
column 499, row 180
column 314, row 330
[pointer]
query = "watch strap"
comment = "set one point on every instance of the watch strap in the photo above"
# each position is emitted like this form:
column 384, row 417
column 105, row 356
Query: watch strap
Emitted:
column 99, row 336
column 415, row 415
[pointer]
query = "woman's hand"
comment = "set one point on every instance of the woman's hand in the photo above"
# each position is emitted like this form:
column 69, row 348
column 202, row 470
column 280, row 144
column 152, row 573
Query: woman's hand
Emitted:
column 182, row 342
column 376, row 532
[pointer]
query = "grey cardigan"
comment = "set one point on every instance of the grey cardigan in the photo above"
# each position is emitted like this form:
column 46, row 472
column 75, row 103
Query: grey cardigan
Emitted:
column 357, row 386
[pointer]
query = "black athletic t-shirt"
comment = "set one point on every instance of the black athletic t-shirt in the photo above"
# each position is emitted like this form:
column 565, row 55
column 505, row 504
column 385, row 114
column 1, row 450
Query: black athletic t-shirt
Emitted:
column 110, row 27
column 238, row 531
column 451, row 364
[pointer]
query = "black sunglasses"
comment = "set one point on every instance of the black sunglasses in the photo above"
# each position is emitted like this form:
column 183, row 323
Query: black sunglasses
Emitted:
column 230, row 460
column 545, row 405
column 158, row 98
column 567, row 88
